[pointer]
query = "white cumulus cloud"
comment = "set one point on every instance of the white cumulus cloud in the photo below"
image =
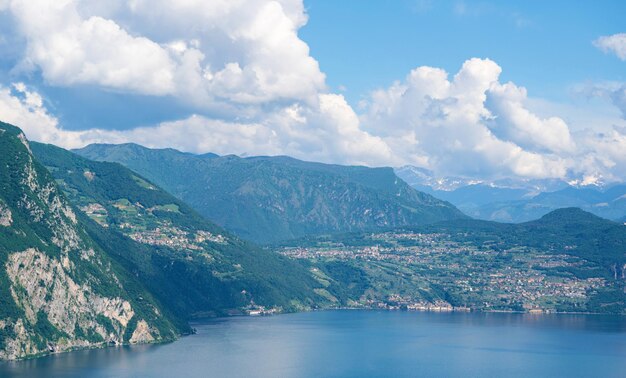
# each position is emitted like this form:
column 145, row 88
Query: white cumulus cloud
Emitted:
column 615, row 43
column 249, row 85
column 470, row 125
column 328, row 132
column 72, row 50
column 513, row 121
column 25, row 108
column 212, row 54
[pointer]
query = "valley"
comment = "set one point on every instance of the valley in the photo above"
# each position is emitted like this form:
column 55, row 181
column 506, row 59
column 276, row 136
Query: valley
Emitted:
column 310, row 188
column 193, row 265
column 135, row 249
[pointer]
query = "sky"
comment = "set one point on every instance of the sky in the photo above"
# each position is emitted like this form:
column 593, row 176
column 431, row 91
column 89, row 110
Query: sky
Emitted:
column 479, row 89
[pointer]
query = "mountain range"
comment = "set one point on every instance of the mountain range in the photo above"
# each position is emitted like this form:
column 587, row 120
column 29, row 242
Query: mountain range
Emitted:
column 194, row 266
column 96, row 253
column 266, row 199
column 518, row 200
column 93, row 254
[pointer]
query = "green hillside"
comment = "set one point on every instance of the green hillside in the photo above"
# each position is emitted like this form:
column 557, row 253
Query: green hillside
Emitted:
column 265, row 199
column 567, row 261
column 59, row 289
column 192, row 265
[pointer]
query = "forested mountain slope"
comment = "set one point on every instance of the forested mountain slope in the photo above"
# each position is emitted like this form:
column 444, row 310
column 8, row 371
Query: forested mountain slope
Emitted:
column 266, row 199
column 194, row 266
column 59, row 289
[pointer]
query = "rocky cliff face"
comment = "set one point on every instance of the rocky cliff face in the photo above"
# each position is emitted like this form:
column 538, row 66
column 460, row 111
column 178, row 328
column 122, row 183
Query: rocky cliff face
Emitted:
column 6, row 218
column 193, row 267
column 58, row 290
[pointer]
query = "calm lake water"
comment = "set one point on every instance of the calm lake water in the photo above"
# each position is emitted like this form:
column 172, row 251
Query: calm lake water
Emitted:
column 362, row 344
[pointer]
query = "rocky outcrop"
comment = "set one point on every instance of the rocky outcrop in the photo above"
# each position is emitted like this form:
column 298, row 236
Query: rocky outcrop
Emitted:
column 24, row 141
column 45, row 204
column 58, row 289
column 6, row 217
column 40, row 284
column 143, row 333
column 21, row 344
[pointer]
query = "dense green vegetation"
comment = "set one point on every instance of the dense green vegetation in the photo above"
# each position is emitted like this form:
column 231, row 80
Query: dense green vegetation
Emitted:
column 572, row 230
column 569, row 260
column 345, row 282
column 38, row 218
column 171, row 264
column 200, row 279
column 266, row 199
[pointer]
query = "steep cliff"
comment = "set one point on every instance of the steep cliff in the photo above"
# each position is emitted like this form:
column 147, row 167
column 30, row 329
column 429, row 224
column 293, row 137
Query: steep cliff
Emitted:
column 58, row 289
column 194, row 267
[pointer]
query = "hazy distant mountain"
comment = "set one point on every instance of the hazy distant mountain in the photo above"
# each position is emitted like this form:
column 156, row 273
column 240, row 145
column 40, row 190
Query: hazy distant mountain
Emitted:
column 519, row 200
column 424, row 178
column 266, row 199
column 609, row 204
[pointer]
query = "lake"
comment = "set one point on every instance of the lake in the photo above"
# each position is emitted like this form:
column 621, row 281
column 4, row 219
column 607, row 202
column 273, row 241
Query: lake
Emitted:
column 352, row 343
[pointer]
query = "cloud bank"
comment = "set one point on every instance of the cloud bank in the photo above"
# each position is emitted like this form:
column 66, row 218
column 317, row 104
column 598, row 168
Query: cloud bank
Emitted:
column 255, row 89
column 472, row 124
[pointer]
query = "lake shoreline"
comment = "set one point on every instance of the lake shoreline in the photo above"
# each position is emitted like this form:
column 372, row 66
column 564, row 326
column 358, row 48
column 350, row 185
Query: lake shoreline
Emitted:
column 202, row 320
column 323, row 343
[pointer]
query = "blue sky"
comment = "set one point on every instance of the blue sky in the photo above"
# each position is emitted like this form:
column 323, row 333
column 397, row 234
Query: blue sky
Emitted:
column 480, row 89
column 544, row 45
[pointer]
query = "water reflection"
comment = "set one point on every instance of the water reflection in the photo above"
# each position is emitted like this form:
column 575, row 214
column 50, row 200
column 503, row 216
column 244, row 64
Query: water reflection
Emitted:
column 362, row 343
column 74, row 363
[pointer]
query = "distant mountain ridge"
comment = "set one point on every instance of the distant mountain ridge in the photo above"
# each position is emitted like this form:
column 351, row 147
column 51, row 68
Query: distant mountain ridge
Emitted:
column 425, row 178
column 521, row 200
column 265, row 199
